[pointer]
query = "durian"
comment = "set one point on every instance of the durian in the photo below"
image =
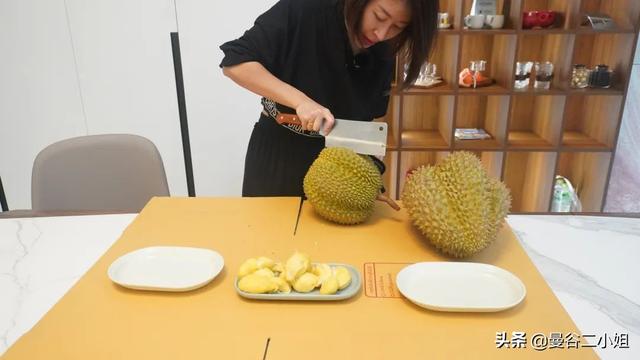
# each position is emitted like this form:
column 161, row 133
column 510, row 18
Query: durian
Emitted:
column 264, row 262
column 283, row 285
column 296, row 265
column 342, row 186
column 248, row 267
column 305, row 283
column 262, row 275
column 265, row 272
column 278, row 268
column 456, row 204
column 322, row 271
column 343, row 276
column 329, row 286
column 257, row 284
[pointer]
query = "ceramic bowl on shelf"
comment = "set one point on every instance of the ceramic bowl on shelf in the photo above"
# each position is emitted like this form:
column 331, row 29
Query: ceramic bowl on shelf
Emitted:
column 538, row 18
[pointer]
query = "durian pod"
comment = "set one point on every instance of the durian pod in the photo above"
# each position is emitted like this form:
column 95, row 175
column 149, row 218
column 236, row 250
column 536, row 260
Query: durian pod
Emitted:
column 342, row 186
column 456, row 205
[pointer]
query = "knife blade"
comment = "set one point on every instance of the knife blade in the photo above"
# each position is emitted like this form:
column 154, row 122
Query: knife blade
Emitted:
column 363, row 137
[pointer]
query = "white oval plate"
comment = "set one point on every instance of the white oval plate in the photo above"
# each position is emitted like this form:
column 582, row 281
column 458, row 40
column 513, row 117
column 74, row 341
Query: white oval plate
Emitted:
column 349, row 291
column 460, row 286
column 166, row 268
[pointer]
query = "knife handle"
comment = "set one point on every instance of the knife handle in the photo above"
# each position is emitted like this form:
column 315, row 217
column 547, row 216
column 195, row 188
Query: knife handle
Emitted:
column 288, row 119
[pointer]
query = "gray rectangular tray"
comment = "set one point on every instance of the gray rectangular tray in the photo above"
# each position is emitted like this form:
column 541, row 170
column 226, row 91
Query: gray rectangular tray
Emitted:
column 314, row 295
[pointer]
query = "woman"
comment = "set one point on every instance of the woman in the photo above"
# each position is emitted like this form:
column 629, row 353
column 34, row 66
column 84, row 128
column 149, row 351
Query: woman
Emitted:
column 320, row 59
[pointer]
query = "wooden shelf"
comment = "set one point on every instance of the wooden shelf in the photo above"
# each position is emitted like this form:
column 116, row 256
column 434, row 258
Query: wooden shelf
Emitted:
column 527, row 140
column 440, row 89
column 484, row 144
column 486, row 90
column 589, row 31
column 488, row 31
column 595, row 91
column 575, row 139
column 587, row 172
column 388, row 178
column 596, row 117
column 529, row 177
column 535, row 121
column 539, row 92
column 624, row 13
column 423, row 139
column 536, row 134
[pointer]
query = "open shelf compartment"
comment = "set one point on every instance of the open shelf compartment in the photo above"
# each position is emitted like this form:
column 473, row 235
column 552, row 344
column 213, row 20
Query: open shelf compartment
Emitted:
column 535, row 121
column 591, row 122
column 426, row 121
column 483, row 112
column 613, row 50
column 446, row 48
column 566, row 12
column 623, row 12
column 587, row 172
column 529, row 177
column 498, row 51
column 555, row 48
column 453, row 8
column 508, row 8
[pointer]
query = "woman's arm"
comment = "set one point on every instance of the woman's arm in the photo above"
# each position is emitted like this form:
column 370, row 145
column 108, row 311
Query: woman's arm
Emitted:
column 255, row 78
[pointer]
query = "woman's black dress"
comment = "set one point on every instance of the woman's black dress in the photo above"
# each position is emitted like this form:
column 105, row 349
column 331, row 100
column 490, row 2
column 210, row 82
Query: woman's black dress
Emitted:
column 305, row 44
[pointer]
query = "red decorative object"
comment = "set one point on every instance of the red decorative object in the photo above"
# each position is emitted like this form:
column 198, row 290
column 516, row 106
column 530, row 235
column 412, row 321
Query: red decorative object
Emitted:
column 542, row 19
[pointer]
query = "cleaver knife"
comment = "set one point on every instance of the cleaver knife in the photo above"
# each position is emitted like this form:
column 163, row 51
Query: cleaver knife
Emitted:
column 363, row 137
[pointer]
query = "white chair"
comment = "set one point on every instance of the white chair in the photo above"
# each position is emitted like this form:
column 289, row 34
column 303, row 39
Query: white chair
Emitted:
column 116, row 172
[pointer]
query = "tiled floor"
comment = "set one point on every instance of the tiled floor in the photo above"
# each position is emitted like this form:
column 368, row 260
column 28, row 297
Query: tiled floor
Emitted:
column 624, row 185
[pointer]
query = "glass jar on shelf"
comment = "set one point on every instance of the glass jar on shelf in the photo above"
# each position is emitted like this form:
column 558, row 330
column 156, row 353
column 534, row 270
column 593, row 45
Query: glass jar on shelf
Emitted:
column 544, row 75
column 580, row 76
column 601, row 77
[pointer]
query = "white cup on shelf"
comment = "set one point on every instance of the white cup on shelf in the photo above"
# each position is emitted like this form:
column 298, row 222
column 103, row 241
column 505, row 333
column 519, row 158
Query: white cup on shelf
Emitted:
column 474, row 21
column 495, row 21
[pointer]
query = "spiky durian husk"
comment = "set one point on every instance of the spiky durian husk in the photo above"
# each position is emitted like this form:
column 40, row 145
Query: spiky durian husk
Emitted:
column 456, row 205
column 342, row 186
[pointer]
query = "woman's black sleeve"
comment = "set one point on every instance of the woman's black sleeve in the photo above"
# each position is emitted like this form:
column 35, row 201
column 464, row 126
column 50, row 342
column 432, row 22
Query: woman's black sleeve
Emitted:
column 265, row 42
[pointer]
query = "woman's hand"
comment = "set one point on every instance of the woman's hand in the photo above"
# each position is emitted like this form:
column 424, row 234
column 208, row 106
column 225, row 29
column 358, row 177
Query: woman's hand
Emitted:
column 313, row 116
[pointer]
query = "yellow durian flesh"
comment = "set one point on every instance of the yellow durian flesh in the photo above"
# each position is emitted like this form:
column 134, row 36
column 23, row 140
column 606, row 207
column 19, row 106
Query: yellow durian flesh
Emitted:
column 264, row 262
column 305, row 283
column 323, row 272
column 343, row 276
column 257, row 284
column 278, row 268
column 265, row 272
column 296, row 265
column 283, row 285
column 342, row 186
column 456, row 204
column 248, row 267
column 330, row 286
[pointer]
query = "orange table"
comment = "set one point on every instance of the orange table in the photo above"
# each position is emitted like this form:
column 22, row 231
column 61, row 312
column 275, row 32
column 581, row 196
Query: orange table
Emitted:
column 99, row 320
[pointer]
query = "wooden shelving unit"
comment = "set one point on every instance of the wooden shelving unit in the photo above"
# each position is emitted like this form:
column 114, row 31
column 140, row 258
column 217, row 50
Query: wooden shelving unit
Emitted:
column 536, row 134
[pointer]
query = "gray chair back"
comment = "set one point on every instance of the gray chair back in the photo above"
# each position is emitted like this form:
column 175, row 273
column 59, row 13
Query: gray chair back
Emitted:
column 98, row 172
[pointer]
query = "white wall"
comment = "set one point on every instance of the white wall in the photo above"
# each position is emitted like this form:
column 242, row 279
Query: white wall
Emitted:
column 221, row 114
column 39, row 95
column 125, row 65
column 77, row 67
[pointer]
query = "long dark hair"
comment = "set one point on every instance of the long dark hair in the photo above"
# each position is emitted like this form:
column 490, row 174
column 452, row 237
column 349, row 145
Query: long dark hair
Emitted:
column 414, row 42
